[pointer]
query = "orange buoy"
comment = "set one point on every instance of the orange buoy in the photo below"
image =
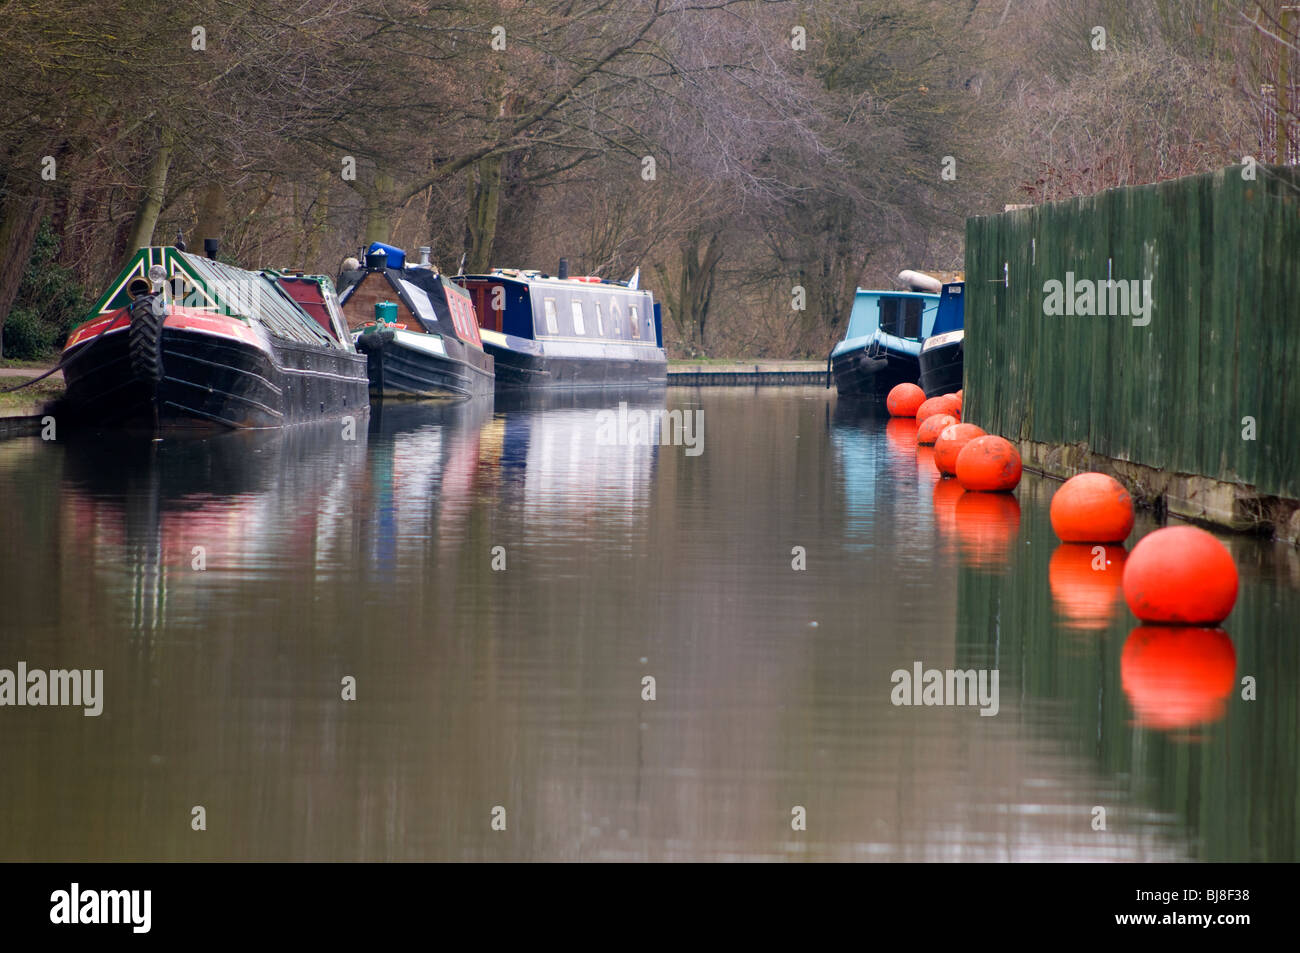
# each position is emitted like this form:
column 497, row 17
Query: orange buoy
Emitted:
column 935, row 405
column 1180, row 574
column 949, row 444
column 1177, row 676
column 1085, row 582
column 954, row 404
column 929, row 431
column 988, row 463
column 904, row 399
column 1092, row 508
column 988, row 525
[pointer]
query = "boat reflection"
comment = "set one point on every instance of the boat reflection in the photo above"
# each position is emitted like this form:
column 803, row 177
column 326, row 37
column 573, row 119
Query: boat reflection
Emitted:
column 154, row 516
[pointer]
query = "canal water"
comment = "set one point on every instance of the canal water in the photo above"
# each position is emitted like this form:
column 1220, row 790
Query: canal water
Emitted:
column 529, row 633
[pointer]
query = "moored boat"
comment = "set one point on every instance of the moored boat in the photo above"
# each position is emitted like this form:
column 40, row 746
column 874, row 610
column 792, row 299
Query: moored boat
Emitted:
column 417, row 328
column 181, row 341
column 545, row 331
column 941, row 352
column 882, row 344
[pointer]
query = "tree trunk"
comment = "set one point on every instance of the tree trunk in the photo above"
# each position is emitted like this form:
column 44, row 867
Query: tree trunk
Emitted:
column 379, row 209
column 146, row 217
column 212, row 214
column 484, row 210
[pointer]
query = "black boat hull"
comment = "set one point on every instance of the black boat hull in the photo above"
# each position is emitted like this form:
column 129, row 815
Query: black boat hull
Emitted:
column 400, row 370
column 859, row 373
column 203, row 381
column 941, row 369
column 516, row 370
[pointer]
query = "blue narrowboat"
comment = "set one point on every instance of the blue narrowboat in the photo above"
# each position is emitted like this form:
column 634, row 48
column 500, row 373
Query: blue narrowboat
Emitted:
column 941, row 354
column 882, row 345
column 545, row 331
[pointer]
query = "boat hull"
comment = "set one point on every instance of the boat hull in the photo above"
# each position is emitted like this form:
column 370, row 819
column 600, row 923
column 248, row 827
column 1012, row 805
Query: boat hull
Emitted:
column 864, row 373
column 204, row 381
column 941, row 369
column 408, row 364
column 517, row 370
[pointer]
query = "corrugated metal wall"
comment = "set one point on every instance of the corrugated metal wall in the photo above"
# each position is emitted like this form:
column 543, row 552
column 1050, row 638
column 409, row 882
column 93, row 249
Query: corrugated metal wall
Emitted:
column 1223, row 342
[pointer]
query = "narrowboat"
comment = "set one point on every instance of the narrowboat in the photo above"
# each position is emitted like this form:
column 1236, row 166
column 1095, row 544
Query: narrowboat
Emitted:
column 417, row 329
column 941, row 354
column 545, row 331
column 882, row 345
column 180, row 341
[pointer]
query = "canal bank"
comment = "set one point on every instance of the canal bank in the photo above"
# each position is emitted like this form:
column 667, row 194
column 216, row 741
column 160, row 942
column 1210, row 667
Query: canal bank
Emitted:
column 1150, row 333
column 746, row 373
column 21, row 411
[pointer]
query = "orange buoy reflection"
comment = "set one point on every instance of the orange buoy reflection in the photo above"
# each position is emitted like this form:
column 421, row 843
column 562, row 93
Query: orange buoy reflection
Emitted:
column 1178, row 676
column 926, row 473
column 1085, row 581
column 900, row 433
column 944, row 501
column 988, row 525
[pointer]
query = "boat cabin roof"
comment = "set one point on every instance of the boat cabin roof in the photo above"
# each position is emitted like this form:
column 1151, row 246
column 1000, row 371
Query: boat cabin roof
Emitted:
column 904, row 314
column 433, row 302
column 199, row 283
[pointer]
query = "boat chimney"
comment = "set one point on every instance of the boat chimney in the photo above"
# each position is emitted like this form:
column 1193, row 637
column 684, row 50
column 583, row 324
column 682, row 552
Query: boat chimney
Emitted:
column 564, row 268
column 211, row 246
column 424, row 256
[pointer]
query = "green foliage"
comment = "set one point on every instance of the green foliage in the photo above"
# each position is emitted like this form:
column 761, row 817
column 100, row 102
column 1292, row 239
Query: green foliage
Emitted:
column 50, row 303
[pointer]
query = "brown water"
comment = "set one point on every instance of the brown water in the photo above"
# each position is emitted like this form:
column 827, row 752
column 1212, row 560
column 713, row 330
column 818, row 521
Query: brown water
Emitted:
column 522, row 688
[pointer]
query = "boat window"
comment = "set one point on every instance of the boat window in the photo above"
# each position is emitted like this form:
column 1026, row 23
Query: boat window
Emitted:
column 912, row 318
column 579, row 326
column 617, row 317
column 889, row 316
column 600, row 321
column 635, row 319
column 552, row 319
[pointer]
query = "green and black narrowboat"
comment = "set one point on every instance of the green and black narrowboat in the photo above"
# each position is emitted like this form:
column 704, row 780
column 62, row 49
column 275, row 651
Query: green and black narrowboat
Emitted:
column 183, row 341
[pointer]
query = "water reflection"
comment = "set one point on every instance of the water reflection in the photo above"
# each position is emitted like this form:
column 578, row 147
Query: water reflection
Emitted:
column 1178, row 676
column 500, row 580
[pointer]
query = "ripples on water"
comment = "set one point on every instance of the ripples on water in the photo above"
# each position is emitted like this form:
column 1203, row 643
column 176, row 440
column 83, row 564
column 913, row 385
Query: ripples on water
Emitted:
column 522, row 688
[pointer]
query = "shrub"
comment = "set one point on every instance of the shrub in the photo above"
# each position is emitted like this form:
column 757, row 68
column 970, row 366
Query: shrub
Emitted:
column 50, row 303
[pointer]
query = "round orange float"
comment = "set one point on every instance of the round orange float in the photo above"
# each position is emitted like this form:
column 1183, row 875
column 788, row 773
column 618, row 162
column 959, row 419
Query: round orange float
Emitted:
column 988, row 463
column 949, row 444
column 954, row 404
column 1092, row 508
column 1180, row 574
column 904, row 400
column 1085, row 583
column 1177, row 676
column 935, row 405
column 929, row 431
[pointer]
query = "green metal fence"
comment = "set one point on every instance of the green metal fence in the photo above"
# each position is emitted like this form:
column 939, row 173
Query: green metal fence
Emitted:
column 1171, row 388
